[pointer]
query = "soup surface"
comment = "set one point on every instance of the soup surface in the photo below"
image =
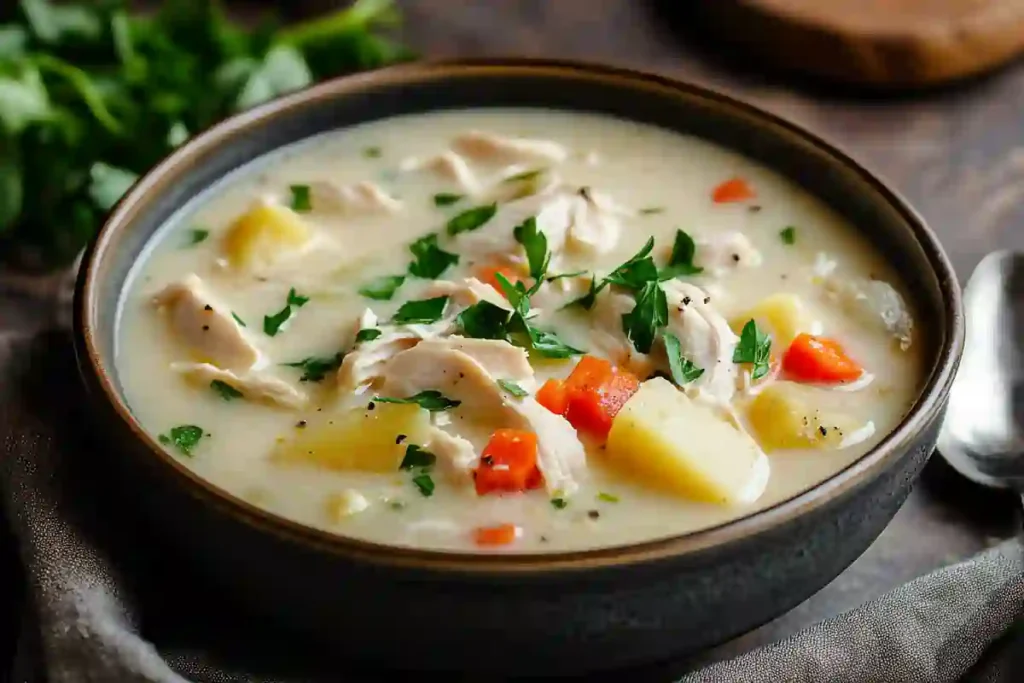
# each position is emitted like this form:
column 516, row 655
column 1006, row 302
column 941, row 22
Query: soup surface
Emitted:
column 513, row 330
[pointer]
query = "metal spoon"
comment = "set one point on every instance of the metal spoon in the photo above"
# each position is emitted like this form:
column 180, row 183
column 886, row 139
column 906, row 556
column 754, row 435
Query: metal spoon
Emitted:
column 983, row 434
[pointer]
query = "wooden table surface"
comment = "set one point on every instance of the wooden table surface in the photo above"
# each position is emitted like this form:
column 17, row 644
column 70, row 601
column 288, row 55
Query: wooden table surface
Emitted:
column 957, row 155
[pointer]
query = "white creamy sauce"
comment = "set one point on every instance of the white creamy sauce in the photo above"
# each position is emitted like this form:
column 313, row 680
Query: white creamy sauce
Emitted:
column 358, row 232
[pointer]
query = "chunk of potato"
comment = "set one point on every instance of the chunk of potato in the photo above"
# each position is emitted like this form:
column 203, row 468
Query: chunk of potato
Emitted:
column 261, row 234
column 349, row 502
column 783, row 314
column 670, row 442
column 365, row 440
column 781, row 418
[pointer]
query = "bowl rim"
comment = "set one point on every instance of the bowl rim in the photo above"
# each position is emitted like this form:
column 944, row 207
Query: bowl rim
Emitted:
column 928, row 405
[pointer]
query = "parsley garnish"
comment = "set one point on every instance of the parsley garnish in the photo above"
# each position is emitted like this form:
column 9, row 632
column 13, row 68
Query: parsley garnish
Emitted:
column 788, row 235
column 383, row 287
column 588, row 300
column 183, row 437
column 447, row 198
column 650, row 210
column 315, row 369
column 559, row 503
column 535, row 244
column 197, row 235
column 513, row 388
column 543, row 343
column 367, row 334
column 559, row 276
column 681, row 260
column 421, row 311
column 430, row 260
column 272, row 324
column 635, row 272
column 648, row 315
column 525, row 175
column 484, row 320
column 238, row 320
column 683, row 371
column 608, row 497
column 417, row 457
column 301, row 200
column 471, row 219
column 425, row 484
column 754, row 347
column 430, row 400
column 372, row 152
column 226, row 391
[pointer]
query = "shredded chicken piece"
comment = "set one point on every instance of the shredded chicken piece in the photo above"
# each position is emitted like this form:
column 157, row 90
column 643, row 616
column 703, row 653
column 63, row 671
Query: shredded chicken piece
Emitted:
column 253, row 385
column 595, row 225
column 456, row 455
column 705, row 338
column 875, row 303
column 206, row 325
column 486, row 147
column 468, row 370
column 361, row 198
column 726, row 251
column 449, row 166
column 466, row 293
column 365, row 364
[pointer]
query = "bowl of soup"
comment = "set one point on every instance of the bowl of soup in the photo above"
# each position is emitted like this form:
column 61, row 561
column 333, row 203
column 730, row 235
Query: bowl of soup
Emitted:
column 573, row 366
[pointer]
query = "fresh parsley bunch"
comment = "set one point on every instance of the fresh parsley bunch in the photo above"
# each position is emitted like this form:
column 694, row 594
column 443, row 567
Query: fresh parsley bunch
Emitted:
column 92, row 95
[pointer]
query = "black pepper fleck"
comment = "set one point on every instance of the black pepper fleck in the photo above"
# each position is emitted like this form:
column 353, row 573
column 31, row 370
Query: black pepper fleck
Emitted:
column 207, row 307
column 821, row 428
column 543, row 539
column 300, row 424
column 754, row 208
column 206, row 328
column 399, row 439
column 707, row 299
column 585, row 193
column 686, row 301
column 593, row 514
column 736, row 258
column 371, row 405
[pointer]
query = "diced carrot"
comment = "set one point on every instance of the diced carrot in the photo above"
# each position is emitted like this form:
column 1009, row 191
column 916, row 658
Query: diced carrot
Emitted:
column 503, row 534
column 488, row 274
column 508, row 463
column 595, row 392
column 590, row 374
column 619, row 390
column 553, row 396
column 819, row 359
column 732, row 190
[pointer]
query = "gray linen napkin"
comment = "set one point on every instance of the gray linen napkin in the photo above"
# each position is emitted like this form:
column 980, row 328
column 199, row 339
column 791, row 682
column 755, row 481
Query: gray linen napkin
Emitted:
column 107, row 603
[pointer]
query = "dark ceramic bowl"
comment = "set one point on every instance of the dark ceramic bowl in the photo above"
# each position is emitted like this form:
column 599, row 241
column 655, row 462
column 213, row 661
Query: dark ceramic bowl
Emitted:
column 527, row 614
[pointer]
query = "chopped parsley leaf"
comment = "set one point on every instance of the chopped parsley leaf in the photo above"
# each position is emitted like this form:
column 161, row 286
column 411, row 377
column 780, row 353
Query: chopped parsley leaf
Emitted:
column 559, row 503
column 183, row 437
column 683, row 371
column 273, row 323
column 315, row 369
column 430, row 399
column 430, row 260
column 372, row 152
column 535, row 244
column 681, row 260
column 637, row 271
column 608, row 497
column 649, row 314
column 367, row 334
column 197, row 235
column 296, row 300
column 383, row 287
column 651, row 210
column 226, row 391
column 421, row 311
column 238, row 320
column 588, row 300
column 425, row 484
column 471, row 219
column 447, row 198
column 301, row 199
column 525, row 175
column 754, row 347
column 543, row 343
column 559, row 276
column 417, row 457
column 513, row 388
column 484, row 320
column 788, row 235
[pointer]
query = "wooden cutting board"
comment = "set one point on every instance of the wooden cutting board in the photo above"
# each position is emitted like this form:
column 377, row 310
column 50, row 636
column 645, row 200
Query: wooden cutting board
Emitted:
column 889, row 43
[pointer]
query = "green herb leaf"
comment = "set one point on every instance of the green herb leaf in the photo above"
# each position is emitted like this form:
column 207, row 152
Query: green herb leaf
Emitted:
column 421, row 311
column 184, row 438
column 637, row 271
column 535, row 244
column 196, row 236
column 484, row 320
column 525, row 175
column 607, row 497
column 649, row 314
column 315, row 369
column 471, row 219
column 447, row 198
column 681, row 260
column 52, row 23
column 431, row 400
column 273, row 323
column 683, row 371
column 524, row 334
column 296, row 300
column 430, row 260
column 559, row 503
column 651, row 210
column 372, row 152
column 546, row 344
column 238, row 320
column 382, row 288
column 588, row 300
column 513, row 388
column 754, row 347
column 301, row 200
column 226, row 391
column 559, row 276
column 788, row 235
column 367, row 334
column 425, row 484
column 417, row 457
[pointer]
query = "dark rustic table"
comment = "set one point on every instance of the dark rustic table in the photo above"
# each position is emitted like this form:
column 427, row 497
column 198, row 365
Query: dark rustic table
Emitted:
column 958, row 155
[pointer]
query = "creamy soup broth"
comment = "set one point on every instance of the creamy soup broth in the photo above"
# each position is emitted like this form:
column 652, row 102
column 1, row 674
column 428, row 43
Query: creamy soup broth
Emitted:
column 763, row 236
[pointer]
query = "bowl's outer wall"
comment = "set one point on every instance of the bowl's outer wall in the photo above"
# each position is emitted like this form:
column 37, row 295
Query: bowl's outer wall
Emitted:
column 557, row 621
